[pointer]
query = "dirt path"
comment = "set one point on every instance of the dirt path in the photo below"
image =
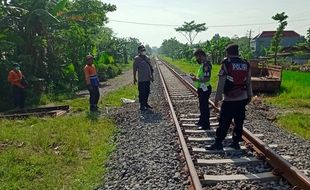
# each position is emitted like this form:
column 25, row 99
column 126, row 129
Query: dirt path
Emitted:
column 124, row 79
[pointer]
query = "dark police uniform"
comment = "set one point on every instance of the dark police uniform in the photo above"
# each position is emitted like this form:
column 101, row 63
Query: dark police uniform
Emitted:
column 235, row 83
column 142, row 64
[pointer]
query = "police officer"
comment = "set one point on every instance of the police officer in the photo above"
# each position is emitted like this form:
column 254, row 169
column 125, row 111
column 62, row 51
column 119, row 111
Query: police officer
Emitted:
column 142, row 64
column 92, row 83
column 202, row 83
column 18, row 83
column 235, row 83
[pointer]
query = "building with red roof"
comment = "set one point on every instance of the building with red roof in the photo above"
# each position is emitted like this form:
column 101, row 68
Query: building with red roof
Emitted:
column 263, row 41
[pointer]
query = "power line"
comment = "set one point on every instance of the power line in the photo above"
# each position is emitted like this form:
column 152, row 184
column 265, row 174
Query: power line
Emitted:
column 143, row 23
column 210, row 26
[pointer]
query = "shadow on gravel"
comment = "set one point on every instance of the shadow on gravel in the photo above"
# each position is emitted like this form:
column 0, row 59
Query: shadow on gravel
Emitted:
column 149, row 116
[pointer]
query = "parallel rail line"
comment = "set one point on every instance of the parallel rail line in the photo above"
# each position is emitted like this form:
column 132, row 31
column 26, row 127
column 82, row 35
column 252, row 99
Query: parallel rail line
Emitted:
column 179, row 91
column 53, row 111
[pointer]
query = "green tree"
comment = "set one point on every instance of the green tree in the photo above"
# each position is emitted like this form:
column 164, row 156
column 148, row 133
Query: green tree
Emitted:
column 216, row 48
column 172, row 48
column 190, row 30
column 244, row 47
column 308, row 37
column 148, row 49
column 275, row 43
column 50, row 40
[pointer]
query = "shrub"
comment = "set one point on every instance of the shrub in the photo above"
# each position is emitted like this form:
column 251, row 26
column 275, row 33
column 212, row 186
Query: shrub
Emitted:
column 108, row 71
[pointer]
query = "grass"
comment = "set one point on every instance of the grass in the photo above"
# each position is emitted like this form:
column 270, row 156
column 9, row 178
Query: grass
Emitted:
column 62, row 153
column 126, row 67
column 295, row 91
column 294, row 97
column 296, row 122
column 59, row 153
column 188, row 67
column 114, row 98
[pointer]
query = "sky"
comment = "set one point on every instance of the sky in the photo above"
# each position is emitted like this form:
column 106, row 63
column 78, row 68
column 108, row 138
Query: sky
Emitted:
column 225, row 17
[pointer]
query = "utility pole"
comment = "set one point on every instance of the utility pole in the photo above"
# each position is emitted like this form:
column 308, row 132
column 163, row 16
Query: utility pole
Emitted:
column 250, row 37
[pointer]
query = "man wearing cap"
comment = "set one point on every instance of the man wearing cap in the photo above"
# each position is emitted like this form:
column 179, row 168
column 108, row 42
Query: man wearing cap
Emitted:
column 16, row 78
column 142, row 64
column 202, row 83
column 92, row 83
column 235, row 83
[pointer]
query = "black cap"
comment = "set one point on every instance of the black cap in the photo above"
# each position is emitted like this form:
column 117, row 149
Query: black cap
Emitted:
column 141, row 48
column 89, row 57
column 16, row 65
column 232, row 49
column 199, row 52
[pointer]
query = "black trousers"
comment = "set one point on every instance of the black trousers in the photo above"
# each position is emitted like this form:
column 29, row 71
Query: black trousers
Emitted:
column 144, row 92
column 204, row 118
column 231, row 110
column 93, row 97
column 19, row 97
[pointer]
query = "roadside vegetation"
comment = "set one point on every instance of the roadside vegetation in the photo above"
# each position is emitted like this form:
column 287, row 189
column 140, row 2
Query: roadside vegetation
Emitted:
column 50, row 41
column 294, row 99
column 59, row 153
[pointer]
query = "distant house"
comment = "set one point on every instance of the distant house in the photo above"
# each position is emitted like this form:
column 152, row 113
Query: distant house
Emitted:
column 296, row 55
column 263, row 41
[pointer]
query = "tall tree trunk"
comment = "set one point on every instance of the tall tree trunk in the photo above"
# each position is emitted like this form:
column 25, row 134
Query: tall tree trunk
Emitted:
column 275, row 55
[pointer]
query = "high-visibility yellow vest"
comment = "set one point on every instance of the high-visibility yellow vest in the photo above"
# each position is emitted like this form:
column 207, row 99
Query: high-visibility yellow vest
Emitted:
column 200, row 74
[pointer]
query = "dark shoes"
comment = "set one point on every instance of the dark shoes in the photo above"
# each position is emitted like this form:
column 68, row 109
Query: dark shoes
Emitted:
column 219, row 146
column 94, row 108
column 215, row 146
column 149, row 107
column 143, row 108
column 202, row 127
column 234, row 145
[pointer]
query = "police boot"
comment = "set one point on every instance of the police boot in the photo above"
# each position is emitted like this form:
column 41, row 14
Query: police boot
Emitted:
column 234, row 145
column 93, row 108
column 215, row 146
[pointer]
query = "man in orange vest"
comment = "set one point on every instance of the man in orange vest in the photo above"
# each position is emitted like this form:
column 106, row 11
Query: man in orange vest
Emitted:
column 16, row 79
column 92, row 83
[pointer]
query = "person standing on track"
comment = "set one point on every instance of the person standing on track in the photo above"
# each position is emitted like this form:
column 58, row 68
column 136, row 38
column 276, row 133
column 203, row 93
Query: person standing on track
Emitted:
column 235, row 83
column 92, row 83
column 18, row 83
column 142, row 64
column 202, row 83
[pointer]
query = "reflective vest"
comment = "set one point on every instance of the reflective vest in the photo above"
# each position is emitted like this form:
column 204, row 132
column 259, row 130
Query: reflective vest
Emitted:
column 237, row 73
column 15, row 78
column 201, row 74
column 91, row 75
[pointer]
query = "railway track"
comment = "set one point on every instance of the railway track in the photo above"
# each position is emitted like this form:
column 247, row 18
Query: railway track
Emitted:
column 52, row 111
column 256, row 161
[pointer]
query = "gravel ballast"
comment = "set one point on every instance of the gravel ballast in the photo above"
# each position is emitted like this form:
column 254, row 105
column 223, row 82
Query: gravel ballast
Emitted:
column 147, row 154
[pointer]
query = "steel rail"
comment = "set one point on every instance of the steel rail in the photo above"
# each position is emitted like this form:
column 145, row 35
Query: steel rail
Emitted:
column 188, row 84
column 193, row 173
column 281, row 166
column 40, row 109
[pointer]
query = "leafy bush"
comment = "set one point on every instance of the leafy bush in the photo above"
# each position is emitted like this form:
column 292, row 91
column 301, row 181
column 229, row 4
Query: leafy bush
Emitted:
column 108, row 71
column 70, row 76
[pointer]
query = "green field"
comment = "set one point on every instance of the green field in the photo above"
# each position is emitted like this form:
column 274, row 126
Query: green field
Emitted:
column 59, row 153
column 293, row 98
column 295, row 91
